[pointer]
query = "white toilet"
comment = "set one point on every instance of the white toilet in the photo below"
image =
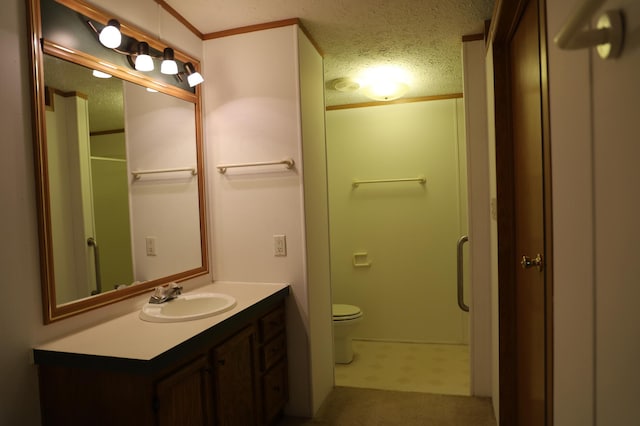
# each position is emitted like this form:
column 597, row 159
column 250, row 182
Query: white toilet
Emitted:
column 345, row 320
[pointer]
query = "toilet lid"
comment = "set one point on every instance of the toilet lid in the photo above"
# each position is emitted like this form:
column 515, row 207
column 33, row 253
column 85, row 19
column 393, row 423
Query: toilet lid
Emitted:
column 345, row 312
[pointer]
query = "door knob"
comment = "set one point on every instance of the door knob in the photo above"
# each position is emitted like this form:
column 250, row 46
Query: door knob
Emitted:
column 527, row 262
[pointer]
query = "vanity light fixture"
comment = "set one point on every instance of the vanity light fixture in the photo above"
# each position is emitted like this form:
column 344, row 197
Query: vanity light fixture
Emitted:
column 193, row 77
column 110, row 35
column 143, row 60
column 169, row 65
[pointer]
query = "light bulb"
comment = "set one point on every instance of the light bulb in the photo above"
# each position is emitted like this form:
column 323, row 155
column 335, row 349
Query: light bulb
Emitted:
column 144, row 62
column 193, row 77
column 110, row 35
column 168, row 65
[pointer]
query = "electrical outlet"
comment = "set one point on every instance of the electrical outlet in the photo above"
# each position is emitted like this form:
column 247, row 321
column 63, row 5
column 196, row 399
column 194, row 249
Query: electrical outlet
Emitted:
column 150, row 244
column 279, row 245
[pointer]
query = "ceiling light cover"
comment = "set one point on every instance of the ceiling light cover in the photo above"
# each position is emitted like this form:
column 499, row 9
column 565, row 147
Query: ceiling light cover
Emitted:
column 110, row 35
column 385, row 90
column 169, row 65
column 385, row 83
column 144, row 62
column 100, row 74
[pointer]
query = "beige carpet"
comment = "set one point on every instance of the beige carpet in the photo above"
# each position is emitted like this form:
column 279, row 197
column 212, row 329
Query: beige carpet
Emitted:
column 370, row 407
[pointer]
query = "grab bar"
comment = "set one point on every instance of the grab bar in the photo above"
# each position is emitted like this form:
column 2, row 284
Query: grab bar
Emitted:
column 91, row 242
column 459, row 257
column 607, row 37
column 138, row 173
column 288, row 162
column 419, row 179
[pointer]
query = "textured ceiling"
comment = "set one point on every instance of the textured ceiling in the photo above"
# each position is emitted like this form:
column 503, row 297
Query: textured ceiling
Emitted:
column 421, row 36
column 106, row 110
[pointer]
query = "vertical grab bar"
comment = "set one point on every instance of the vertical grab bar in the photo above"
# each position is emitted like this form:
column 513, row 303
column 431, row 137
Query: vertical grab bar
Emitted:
column 459, row 256
column 91, row 242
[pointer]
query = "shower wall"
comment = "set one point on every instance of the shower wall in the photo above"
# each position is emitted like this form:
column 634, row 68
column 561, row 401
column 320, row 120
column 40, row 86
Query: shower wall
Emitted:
column 393, row 245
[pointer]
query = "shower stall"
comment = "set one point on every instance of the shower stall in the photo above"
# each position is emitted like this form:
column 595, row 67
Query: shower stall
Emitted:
column 398, row 206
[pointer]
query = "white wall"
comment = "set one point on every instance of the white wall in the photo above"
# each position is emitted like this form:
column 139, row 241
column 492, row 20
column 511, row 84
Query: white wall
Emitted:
column 573, row 244
column 19, row 258
column 473, row 57
column 596, row 203
column 409, row 230
column 317, row 261
column 256, row 117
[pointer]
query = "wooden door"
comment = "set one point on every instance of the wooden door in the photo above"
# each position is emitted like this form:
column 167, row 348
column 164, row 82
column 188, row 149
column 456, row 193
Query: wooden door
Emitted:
column 529, row 219
column 524, row 217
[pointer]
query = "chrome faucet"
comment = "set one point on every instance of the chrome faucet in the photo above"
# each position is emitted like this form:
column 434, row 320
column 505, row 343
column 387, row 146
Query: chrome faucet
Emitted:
column 165, row 293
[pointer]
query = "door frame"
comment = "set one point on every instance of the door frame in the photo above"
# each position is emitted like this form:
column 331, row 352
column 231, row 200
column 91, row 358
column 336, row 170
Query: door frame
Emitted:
column 505, row 19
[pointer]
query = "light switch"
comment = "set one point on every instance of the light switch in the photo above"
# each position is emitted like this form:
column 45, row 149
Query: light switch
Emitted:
column 279, row 245
column 150, row 244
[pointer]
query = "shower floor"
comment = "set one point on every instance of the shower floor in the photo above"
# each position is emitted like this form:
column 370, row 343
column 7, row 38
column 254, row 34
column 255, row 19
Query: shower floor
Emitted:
column 414, row 367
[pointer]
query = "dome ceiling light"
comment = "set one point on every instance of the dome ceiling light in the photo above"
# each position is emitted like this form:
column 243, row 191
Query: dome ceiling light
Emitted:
column 385, row 90
column 385, row 83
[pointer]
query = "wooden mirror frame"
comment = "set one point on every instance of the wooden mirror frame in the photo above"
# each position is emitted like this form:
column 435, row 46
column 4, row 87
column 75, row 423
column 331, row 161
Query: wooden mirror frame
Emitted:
column 38, row 46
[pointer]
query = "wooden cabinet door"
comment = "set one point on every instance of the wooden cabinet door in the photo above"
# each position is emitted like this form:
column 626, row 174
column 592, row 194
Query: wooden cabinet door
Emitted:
column 235, row 390
column 184, row 397
column 275, row 391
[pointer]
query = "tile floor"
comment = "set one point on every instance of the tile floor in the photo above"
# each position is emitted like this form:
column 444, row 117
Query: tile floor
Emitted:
column 415, row 367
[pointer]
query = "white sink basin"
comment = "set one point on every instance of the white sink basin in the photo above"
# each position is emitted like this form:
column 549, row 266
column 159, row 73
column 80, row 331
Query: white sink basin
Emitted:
column 188, row 307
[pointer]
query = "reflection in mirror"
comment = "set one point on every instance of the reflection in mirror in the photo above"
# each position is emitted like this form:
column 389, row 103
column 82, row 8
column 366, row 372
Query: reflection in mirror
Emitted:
column 88, row 186
column 105, row 224
column 119, row 177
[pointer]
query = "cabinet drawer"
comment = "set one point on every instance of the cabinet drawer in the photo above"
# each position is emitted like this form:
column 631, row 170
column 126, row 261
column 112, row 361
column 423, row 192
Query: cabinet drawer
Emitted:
column 274, row 390
column 272, row 323
column 273, row 351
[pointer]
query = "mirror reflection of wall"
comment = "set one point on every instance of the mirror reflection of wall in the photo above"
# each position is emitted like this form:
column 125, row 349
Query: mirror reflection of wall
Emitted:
column 165, row 207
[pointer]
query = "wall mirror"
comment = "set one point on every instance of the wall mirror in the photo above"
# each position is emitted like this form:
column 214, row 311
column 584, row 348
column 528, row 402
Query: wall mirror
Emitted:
column 119, row 165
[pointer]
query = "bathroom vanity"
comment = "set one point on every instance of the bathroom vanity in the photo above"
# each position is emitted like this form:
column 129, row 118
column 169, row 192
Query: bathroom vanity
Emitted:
column 228, row 369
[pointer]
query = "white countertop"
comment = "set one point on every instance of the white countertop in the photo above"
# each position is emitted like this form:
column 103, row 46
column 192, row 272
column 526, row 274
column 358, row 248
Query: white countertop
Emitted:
column 132, row 338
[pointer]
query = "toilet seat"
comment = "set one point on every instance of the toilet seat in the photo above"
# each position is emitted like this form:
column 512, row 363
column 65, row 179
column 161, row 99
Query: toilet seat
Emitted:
column 342, row 312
